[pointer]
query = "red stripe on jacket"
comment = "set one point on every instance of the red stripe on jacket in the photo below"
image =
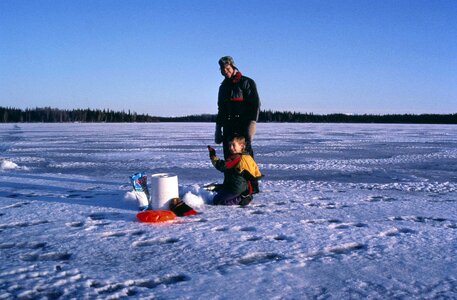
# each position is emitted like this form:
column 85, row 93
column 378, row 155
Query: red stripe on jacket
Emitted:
column 232, row 161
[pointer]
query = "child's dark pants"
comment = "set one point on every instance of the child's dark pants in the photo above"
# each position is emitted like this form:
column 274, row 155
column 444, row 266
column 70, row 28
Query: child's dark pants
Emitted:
column 226, row 198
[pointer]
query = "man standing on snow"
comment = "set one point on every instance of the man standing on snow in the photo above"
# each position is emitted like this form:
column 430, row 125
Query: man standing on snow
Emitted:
column 238, row 107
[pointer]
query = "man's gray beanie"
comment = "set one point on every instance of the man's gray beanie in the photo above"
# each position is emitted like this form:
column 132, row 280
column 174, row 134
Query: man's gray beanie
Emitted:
column 226, row 60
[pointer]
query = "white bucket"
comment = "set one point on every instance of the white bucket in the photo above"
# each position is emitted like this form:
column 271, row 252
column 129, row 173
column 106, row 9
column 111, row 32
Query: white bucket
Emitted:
column 164, row 187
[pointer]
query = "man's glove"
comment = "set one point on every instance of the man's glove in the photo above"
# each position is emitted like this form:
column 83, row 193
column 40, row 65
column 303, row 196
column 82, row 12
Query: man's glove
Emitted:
column 218, row 134
column 251, row 130
column 212, row 152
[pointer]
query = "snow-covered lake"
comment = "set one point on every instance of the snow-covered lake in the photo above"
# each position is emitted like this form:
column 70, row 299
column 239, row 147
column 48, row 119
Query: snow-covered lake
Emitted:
column 346, row 212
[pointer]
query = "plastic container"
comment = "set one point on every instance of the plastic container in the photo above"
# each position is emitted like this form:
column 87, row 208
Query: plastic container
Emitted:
column 164, row 187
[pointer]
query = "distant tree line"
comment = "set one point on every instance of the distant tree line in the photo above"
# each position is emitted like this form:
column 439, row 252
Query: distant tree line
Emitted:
column 54, row 115
column 292, row 117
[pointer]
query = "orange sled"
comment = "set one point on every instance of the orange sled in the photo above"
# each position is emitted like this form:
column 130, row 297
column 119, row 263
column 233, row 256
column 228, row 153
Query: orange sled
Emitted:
column 155, row 216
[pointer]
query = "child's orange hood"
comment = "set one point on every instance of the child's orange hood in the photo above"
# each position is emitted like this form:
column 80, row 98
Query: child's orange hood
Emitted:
column 247, row 163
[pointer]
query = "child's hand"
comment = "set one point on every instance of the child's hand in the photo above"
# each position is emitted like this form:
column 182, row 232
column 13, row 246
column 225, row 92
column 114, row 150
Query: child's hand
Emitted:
column 212, row 152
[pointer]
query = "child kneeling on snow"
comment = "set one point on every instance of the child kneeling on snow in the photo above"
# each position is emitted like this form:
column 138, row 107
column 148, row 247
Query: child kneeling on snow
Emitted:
column 240, row 174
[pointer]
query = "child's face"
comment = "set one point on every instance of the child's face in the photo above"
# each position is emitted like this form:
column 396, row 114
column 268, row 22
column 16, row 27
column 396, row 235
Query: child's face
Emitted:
column 236, row 147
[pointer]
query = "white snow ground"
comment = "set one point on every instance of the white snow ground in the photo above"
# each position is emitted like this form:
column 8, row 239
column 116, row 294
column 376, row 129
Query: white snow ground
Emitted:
column 346, row 212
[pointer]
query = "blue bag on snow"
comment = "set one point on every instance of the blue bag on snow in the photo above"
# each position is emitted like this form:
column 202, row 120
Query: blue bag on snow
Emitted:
column 140, row 188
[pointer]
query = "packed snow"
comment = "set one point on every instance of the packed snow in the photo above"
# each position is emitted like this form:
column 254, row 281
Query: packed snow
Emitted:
column 346, row 211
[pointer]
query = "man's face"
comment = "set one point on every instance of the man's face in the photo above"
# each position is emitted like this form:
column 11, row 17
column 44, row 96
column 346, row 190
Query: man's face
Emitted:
column 227, row 71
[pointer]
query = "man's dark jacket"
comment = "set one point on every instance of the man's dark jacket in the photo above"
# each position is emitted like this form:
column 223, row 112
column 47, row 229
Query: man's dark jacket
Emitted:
column 238, row 104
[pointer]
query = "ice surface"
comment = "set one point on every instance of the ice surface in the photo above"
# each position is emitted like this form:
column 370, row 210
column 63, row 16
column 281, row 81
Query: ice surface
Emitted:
column 346, row 212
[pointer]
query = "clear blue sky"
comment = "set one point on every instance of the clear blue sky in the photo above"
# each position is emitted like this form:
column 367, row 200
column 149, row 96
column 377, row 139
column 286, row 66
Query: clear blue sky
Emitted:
column 160, row 57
